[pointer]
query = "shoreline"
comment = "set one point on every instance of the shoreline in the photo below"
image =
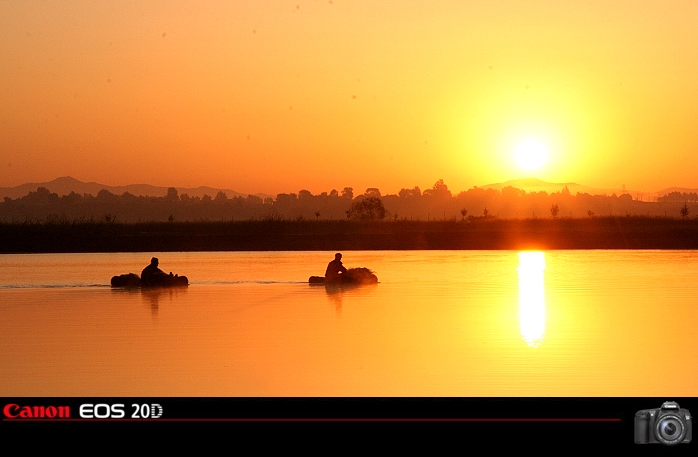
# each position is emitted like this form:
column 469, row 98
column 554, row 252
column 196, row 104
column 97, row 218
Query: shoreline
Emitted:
column 283, row 235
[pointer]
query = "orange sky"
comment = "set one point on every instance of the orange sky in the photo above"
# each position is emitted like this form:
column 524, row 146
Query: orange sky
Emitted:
column 278, row 96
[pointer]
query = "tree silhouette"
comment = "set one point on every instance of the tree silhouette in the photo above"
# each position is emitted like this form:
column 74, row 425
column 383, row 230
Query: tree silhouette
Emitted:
column 464, row 212
column 554, row 210
column 440, row 190
column 407, row 193
column 370, row 208
column 373, row 192
column 684, row 210
column 172, row 194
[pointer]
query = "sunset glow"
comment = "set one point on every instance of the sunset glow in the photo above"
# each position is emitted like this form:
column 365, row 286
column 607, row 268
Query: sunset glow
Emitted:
column 532, row 297
column 531, row 154
column 283, row 96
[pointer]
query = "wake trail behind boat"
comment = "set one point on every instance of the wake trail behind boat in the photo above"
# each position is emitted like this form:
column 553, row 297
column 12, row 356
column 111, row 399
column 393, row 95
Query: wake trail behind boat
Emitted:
column 248, row 281
column 53, row 286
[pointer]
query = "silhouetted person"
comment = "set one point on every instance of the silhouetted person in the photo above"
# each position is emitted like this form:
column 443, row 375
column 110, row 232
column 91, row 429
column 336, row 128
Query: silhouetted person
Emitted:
column 335, row 268
column 151, row 274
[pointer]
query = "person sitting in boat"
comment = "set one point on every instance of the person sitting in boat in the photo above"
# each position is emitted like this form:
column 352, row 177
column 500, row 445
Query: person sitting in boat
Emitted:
column 335, row 268
column 152, row 275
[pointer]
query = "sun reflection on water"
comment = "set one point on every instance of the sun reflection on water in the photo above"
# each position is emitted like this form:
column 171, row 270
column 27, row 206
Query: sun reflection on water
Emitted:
column 532, row 297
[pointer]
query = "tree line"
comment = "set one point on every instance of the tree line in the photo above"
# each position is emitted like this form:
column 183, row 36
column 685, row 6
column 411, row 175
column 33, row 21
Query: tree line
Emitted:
column 436, row 203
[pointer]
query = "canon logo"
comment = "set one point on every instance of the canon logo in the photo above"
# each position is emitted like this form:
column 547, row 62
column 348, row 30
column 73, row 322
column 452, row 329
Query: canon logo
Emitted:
column 15, row 411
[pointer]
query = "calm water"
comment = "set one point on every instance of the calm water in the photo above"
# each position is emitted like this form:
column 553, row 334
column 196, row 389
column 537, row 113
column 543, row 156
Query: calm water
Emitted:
column 444, row 323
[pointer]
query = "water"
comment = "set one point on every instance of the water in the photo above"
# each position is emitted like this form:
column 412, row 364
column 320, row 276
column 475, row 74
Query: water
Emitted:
column 439, row 323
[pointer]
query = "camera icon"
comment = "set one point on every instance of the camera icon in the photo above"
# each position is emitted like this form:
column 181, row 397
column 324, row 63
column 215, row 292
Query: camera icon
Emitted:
column 667, row 425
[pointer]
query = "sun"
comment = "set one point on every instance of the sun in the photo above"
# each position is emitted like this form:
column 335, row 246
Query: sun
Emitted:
column 531, row 154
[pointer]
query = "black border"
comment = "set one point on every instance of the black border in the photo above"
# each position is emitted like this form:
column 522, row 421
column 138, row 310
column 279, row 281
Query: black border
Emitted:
column 399, row 422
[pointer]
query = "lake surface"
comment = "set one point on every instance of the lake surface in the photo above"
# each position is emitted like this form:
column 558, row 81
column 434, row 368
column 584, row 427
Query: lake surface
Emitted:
column 439, row 323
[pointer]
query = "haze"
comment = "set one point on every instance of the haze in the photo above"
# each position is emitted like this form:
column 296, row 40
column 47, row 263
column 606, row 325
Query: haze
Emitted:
column 278, row 96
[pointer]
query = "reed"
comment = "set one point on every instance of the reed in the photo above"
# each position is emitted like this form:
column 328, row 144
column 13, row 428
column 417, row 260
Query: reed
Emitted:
column 272, row 234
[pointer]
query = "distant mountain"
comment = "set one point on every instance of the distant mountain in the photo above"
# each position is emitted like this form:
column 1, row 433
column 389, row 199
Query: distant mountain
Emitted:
column 66, row 185
column 682, row 190
column 538, row 185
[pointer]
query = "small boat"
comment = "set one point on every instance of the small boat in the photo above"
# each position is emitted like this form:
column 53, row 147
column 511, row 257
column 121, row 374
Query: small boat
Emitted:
column 353, row 277
column 133, row 280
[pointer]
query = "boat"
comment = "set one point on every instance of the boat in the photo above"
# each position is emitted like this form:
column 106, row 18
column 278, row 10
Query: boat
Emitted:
column 353, row 277
column 133, row 280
